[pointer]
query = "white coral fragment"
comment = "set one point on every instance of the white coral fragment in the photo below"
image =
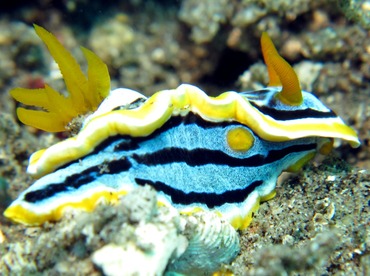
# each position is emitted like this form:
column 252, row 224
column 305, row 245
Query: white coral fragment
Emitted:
column 212, row 242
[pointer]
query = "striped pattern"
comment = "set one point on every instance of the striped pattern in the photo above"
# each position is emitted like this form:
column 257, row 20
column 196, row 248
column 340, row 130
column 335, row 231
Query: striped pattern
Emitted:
column 177, row 142
column 229, row 106
column 188, row 162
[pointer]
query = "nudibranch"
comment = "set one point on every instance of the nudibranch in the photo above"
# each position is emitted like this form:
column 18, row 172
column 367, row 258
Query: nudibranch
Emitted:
column 221, row 153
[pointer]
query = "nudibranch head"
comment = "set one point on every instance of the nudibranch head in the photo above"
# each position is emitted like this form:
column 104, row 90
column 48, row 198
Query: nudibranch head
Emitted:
column 56, row 111
column 221, row 153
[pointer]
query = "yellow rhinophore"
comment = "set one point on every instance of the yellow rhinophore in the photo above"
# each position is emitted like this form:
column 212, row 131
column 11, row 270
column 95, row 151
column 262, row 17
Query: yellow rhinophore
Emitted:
column 281, row 73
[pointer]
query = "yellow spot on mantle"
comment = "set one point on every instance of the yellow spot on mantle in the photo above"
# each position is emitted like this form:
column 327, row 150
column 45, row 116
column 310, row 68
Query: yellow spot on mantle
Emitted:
column 240, row 139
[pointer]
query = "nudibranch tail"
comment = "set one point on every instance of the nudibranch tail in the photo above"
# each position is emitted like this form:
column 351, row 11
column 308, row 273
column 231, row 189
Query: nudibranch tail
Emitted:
column 281, row 73
column 55, row 111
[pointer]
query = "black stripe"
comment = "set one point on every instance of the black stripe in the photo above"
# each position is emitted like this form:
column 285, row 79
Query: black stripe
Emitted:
column 210, row 199
column 293, row 114
column 135, row 104
column 192, row 118
column 283, row 114
column 128, row 143
column 131, row 143
column 255, row 95
column 76, row 181
column 199, row 157
column 192, row 158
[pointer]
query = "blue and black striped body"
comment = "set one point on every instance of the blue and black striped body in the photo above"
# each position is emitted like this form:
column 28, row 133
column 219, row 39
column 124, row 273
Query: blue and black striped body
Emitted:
column 188, row 161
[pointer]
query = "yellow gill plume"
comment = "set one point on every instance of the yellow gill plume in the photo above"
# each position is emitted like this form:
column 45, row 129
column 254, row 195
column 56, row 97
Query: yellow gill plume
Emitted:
column 54, row 111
